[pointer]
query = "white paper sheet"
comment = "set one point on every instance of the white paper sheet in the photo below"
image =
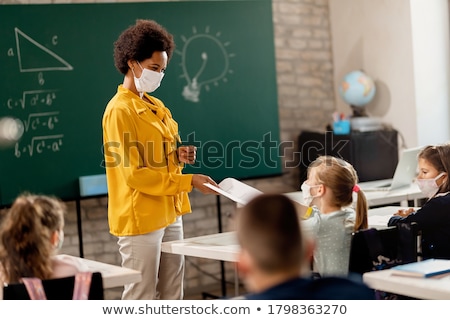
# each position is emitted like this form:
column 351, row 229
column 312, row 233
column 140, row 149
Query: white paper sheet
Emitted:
column 235, row 190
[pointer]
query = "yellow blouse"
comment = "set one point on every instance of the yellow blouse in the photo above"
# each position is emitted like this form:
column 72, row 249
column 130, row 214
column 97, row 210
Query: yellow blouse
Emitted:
column 146, row 187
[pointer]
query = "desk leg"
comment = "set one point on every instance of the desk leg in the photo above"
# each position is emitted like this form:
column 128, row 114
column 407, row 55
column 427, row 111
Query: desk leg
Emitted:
column 223, row 280
column 80, row 230
column 236, row 281
column 222, row 264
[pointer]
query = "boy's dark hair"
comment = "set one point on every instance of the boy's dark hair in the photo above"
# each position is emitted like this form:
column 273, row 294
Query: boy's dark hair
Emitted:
column 140, row 41
column 269, row 229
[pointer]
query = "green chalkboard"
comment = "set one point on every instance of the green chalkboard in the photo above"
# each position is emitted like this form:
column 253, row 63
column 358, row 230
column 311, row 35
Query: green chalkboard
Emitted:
column 57, row 75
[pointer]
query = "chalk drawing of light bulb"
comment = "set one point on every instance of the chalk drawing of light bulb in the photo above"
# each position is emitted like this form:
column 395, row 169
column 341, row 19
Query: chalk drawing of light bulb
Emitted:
column 205, row 61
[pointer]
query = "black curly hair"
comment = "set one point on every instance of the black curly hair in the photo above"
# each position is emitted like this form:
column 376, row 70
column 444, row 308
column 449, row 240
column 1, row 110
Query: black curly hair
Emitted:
column 139, row 41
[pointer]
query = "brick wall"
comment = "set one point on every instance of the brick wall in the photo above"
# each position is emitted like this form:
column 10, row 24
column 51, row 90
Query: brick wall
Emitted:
column 306, row 101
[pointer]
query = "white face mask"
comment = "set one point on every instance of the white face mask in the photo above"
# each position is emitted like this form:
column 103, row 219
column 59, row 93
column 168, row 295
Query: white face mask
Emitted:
column 306, row 193
column 149, row 80
column 429, row 187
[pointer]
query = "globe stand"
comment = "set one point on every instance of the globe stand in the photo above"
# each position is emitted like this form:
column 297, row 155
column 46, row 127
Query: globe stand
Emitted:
column 358, row 111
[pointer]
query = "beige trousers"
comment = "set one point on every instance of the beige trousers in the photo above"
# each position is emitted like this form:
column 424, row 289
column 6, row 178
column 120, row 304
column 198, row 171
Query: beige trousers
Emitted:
column 162, row 273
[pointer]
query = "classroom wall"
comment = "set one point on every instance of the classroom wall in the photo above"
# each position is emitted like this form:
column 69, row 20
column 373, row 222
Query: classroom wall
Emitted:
column 404, row 46
column 430, row 30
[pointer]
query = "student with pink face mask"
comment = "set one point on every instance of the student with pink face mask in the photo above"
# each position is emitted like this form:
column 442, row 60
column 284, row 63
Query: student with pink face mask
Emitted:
column 433, row 219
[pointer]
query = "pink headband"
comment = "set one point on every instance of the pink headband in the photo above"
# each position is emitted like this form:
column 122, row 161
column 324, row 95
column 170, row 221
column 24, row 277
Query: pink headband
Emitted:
column 356, row 188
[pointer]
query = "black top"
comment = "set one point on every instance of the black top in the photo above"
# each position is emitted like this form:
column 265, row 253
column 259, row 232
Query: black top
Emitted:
column 433, row 220
column 327, row 288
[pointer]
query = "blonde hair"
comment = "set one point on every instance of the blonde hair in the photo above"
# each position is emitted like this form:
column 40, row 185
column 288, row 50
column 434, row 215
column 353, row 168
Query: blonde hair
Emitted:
column 340, row 176
column 25, row 237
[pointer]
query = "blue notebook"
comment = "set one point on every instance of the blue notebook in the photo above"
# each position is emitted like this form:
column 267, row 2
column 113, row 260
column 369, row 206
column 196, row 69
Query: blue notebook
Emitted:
column 423, row 269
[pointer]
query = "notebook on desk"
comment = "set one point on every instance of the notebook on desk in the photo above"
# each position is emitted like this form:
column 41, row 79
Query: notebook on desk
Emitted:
column 404, row 174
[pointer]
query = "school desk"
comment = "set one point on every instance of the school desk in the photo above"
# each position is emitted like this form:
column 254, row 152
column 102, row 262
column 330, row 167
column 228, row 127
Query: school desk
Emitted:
column 379, row 217
column 421, row 288
column 113, row 275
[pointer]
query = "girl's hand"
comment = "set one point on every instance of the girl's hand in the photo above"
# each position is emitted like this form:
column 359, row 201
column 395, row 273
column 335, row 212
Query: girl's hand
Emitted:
column 404, row 212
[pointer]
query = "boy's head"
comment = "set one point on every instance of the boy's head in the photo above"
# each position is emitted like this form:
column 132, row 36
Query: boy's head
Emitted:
column 270, row 237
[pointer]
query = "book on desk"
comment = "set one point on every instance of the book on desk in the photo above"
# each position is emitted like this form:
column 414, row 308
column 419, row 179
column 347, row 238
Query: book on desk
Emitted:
column 423, row 269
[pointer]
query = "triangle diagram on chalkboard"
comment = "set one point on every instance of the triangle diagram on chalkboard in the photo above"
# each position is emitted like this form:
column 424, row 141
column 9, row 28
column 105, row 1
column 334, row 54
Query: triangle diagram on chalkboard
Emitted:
column 34, row 57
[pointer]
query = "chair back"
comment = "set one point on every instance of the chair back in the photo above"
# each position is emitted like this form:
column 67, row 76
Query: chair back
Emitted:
column 379, row 249
column 57, row 289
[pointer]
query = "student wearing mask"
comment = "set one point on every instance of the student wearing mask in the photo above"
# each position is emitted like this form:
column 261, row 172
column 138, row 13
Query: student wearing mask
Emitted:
column 328, row 192
column 433, row 218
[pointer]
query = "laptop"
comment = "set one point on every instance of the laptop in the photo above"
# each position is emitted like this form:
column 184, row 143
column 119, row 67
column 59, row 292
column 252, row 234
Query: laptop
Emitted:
column 404, row 174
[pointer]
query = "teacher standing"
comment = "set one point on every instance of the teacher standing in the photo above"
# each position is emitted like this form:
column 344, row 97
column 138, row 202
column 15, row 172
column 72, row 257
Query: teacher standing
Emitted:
column 148, row 193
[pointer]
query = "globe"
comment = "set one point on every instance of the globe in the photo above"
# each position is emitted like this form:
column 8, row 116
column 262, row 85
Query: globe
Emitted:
column 357, row 89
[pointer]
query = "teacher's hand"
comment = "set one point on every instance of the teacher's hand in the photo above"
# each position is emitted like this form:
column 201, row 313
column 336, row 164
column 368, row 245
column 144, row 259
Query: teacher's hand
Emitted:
column 198, row 181
column 187, row 154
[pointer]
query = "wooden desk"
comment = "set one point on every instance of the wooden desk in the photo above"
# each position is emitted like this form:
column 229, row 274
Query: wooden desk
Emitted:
column 113, row 276
column 436, row 288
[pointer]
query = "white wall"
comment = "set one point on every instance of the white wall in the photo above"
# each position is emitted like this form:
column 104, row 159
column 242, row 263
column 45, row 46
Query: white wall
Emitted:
column 403, row 45
column 430, row 32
